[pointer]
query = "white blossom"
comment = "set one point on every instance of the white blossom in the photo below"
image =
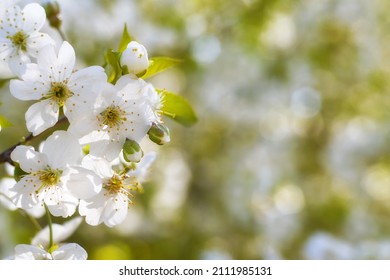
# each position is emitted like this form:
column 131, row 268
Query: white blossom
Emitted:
column 110, row 205
column 53, row 176
column 20, row 36
column 54, row 82
column 143, row 91
column 70, row 251
column 135, row 58
column 119, row 113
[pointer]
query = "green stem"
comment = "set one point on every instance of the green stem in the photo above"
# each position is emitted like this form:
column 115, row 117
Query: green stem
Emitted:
column 50, row 224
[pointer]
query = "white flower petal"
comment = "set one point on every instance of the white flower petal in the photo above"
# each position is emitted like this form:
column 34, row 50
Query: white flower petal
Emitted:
column 23, row 194
column 37, row 41
column 9, row 169
column 151, row 96
column 115, row 211
column 6, row 49
column 5, row 200
column 82, row 81
column 62, row 149
column 106, row 96
column 83, row 183
column 85, row 84
column 12, row 19
column 83, row 126
column 34, row 17
column 46, row 59
column 129, row 87
column 139, row 120
column 99, row 165
column 41, row 115
column 76, row 108
column 30, row 252
column 94, row 136
column 32, row 75
column 36, row 211
column 106, row 149
column 17, row 63
column 92, row 209
column 71, row 251
column 4, row 5
column 59, row 201
column 31, row 88
column 66, row 61
column 28, row 159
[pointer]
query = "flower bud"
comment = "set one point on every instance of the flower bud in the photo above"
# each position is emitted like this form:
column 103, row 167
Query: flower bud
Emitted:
column 132, row 151
column 52, row 9
column 135, row 58
column 159, row 134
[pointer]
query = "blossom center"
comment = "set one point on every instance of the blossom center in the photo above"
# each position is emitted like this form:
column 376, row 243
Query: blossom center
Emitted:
column 19, row 40
column 114, row 184
column 113, row 116
column 59, row 92
column 49, row 177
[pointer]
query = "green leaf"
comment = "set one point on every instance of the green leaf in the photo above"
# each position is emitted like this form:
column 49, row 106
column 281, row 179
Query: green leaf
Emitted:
column 125, row 40
column 159, row 64
column 177, row 108
column 4, row 123
column 112, row 67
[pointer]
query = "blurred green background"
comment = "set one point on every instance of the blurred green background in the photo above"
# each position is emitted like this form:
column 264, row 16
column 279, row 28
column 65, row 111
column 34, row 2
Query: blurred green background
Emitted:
column 290, row 158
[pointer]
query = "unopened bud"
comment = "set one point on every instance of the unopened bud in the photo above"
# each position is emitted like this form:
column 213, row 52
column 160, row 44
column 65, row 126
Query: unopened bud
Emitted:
column 135, row 58
column 52, row 9
column 132, row 151
column 159, row 134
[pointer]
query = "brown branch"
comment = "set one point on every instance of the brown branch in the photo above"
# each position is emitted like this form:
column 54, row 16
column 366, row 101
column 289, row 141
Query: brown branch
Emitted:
column 5, row 156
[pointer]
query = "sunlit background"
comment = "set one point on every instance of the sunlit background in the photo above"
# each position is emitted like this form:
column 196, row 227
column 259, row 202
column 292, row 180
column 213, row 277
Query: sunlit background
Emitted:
column 290, row 158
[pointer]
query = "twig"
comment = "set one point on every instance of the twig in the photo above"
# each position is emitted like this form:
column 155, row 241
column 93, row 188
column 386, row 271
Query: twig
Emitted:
column 6, row 155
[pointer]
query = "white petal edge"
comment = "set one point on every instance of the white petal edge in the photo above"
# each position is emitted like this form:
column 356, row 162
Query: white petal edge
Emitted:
column 83, row 183
column 62, row 149
column 71, row 251
column 28, row 159
column 30, row 252
column 41, row 116
column 34, row 16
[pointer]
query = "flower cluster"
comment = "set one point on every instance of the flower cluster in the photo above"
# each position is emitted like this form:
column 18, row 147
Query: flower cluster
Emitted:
column 97, row 164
